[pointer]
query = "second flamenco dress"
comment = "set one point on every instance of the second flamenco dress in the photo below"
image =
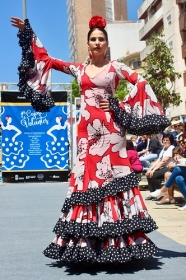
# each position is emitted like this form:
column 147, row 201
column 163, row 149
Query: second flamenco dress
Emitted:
column 104, row 218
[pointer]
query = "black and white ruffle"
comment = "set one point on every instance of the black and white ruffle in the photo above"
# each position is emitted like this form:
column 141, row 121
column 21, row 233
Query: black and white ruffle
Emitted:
column 120, row 228
column 41, row 103
column 148, row 124
column 122, row 184
column 111, row 254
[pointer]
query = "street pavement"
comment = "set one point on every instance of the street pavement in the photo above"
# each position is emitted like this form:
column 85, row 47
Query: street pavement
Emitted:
column 28, row 212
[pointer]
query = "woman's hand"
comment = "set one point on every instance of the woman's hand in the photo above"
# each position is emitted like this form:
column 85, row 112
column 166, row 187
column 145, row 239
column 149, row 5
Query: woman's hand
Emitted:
column 171, row 165
column 104, row 105
column 149, row 173
column 17, row 22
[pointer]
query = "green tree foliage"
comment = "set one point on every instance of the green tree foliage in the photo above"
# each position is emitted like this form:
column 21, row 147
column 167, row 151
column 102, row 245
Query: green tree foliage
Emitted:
column 75, row 90
column 160, row 72
column 122, row 90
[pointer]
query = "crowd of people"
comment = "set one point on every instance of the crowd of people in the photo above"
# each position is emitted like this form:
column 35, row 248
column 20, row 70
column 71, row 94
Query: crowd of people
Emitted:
column 162, row 158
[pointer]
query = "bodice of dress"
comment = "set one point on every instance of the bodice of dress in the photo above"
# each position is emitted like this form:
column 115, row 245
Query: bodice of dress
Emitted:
column 139, row 113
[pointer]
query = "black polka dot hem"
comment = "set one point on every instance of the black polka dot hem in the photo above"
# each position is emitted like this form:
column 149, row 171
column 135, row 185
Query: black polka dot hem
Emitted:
column 109, row 255
column 41, row 103
column 120, row 228
column 122, row 184
column 148, row 124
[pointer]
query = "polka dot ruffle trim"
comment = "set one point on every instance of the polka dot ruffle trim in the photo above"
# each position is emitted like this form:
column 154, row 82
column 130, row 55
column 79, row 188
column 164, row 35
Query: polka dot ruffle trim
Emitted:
column 94, row 195
column 119, row 228
column 41, row 103
column 109, row 255
column 148, row 124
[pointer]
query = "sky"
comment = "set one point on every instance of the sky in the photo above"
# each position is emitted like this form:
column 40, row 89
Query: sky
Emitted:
column 49, row 21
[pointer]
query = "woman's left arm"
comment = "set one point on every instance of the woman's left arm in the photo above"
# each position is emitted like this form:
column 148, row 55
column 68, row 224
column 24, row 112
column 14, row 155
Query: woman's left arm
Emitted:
column 140, row 112
column 162, row 163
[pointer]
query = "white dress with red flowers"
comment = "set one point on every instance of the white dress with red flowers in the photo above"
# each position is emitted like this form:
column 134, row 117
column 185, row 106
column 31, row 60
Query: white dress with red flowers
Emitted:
column 104, row 218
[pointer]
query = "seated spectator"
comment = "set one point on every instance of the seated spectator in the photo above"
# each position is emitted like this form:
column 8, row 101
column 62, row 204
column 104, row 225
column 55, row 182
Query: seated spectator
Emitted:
column 178, row 127
column 184, row 147
column 169, row 197
column 158, row 169
column 178, row 176
column 134, row 139
column 170, row 129
column 182, row 143
column 133, row 157
column 142, row 145
column 152, row 153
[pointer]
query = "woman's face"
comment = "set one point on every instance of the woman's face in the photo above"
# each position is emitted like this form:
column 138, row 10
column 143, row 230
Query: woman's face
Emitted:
column 180, row 141
column 166, row 142
column 97, row 43
column 184, row 143
column 144, row 138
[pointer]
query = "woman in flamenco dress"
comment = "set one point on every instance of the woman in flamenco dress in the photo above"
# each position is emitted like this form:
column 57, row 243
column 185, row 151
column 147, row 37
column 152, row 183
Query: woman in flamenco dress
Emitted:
column 104, row 218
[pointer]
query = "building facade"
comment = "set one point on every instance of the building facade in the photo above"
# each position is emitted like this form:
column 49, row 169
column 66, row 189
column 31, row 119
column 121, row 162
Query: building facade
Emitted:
column 124, row 41
column 169, row 16
column 79, row 13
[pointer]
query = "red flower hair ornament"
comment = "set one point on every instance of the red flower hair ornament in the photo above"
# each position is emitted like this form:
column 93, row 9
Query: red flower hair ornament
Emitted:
column 97, row 22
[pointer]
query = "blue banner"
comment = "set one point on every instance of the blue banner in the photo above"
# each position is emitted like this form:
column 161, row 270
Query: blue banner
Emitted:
column 33, row 141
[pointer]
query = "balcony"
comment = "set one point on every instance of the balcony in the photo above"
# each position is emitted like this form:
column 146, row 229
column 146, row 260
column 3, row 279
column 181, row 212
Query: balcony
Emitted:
column 71, row 25
column 183, row 48
column 142, row 11
column 72, row 53
column 71, row 34
column 182, row 22
column 153, row 24
column 180, row 1
column 147, row 4
column 184, row 79
column 145, row 52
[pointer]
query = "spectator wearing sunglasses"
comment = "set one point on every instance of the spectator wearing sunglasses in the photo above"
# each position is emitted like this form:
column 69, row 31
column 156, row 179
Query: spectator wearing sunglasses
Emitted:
column 178, row 176
column 158, row 169
column 182, row 144
column 178, row 127
column 169, row 197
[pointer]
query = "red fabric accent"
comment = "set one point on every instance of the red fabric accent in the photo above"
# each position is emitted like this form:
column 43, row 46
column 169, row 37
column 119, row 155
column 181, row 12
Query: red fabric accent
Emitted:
column 129, row 240
column 97, row 22
column 76, row 211
column 94, row 216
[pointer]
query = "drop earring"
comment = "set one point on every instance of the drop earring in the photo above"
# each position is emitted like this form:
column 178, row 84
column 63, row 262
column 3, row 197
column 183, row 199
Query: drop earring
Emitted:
column 105, row 54
column 89, row 53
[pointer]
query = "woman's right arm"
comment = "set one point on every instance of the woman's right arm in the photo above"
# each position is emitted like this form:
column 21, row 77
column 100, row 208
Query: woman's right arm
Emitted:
column 17, row 22
column 40, row 53
column 36, row 66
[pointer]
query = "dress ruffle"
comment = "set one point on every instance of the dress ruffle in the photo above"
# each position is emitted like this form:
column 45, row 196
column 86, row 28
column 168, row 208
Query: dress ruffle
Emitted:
column 98, row 194
column 119, row 228
column 28, row 69
column 109, row 255
column 148, row 124
column 127, row 233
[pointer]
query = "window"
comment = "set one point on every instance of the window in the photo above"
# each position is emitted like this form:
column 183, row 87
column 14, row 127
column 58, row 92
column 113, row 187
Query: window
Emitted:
column 171, row 45
column 169, row 20
column 136, row 64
